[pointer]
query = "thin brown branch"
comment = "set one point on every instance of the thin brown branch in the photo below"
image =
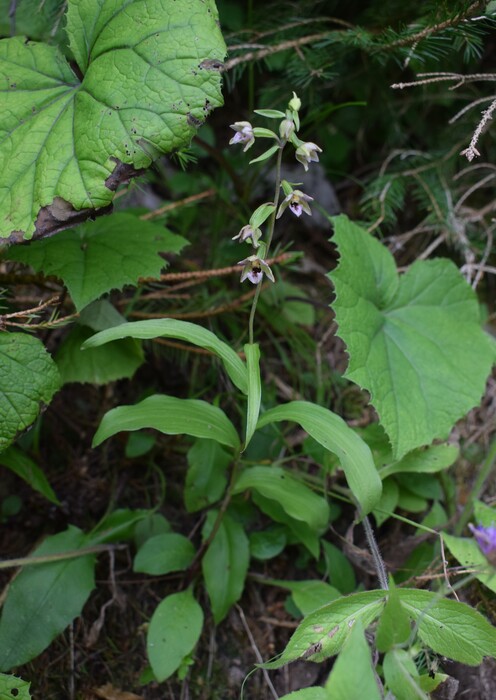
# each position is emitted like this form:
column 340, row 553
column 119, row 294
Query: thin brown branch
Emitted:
column 176, row 205
column 269, row 50
column 439, row 27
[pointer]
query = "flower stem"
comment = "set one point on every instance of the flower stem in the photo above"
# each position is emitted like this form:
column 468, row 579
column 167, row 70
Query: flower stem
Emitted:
column 272, row 222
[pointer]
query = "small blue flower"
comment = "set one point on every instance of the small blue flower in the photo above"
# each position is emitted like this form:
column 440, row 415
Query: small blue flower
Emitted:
column 485, row 538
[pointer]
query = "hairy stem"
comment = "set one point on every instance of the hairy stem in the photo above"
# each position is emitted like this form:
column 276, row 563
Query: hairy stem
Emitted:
column 376, row 555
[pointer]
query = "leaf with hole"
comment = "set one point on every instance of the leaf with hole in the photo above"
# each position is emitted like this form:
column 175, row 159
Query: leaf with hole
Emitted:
column 146, row 75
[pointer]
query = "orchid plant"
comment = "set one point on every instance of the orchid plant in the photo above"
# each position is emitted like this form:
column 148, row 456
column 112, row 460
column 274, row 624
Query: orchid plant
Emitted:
column 255, row 266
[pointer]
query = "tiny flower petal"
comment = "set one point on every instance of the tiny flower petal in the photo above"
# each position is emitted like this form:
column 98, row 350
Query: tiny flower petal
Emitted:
column 244, row 134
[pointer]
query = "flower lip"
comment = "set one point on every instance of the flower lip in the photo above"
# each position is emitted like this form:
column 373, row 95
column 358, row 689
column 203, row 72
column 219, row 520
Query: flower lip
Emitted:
column 297, row 201
column 254, row 269
column 244, row 134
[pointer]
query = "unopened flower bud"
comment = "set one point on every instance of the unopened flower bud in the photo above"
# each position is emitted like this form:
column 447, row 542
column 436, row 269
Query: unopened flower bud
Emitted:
column 286, row 129
column 294, row 103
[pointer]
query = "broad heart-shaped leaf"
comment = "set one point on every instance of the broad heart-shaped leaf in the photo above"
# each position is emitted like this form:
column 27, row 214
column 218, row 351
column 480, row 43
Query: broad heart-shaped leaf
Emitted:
column 12, row 687
column 28, row 378
column 332, row 433
column 450, row 628
column 44, row 599
column 323, row 633
column 173, row 632
column 225, row 563
column 184, row 330
column 171, row 416
column 150, row 75
column 412, row 341
column 102, row 255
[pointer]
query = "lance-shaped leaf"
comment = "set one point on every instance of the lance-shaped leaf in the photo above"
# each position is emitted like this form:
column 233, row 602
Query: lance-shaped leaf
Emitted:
column 352, row 676
column 171, row 416
column 18, row 461
column 412, row 340
column 225, row 563
column 147, row 76
column 28, row 378
column 183, row 330
column 252, row 352
column 332, row 433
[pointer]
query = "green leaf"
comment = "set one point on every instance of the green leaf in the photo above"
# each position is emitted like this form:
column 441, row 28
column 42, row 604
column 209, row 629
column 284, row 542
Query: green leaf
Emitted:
column 151, row 525
column 315, row 693
column 450, row 628
column 150, row 76
column 484, row 514
column 468, row 553
column 299, row 528
column 118, row 525
column 265, row 155
column 270, row 113
column 42, row 24
column 252, row 352
column 183, row 330
column 411, row 340
column 171, row 416
column 261, row 214
column 225, row 564
column 428, row 460
column 173, row 632
column 401, row 676
column 338, row 568
column 311, row 595
column 389, row 501
column 28, row 378
column 117, row 360
column 44, row 598
column 332, row 433
column 102, row 255
column 266, row 544
column 206, row 478
column 324, row 632
column 394, row 625
column 12, row 687
column 352, row 676
column 293, row 496
column 18, row 462
column 163, row 554
column 261, row 132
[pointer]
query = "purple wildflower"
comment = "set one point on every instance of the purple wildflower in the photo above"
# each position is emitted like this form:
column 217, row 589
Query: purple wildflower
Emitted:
column 244, row 134
column 254, row 269
column 297, row 201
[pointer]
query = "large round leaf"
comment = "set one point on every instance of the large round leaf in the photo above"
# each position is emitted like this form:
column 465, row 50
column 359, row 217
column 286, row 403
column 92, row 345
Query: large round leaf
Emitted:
column 147, row 75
